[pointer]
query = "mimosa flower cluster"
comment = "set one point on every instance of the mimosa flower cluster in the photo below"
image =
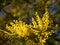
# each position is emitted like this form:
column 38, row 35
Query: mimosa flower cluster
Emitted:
column 41, row 27
column 18, row 28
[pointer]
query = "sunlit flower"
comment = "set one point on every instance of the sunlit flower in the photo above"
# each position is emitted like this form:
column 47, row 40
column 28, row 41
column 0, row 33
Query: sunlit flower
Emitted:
column 19, row 28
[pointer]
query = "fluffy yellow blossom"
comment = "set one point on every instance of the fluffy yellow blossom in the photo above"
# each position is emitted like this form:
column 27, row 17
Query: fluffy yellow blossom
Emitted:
column 19, row 28
column 40, row 27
